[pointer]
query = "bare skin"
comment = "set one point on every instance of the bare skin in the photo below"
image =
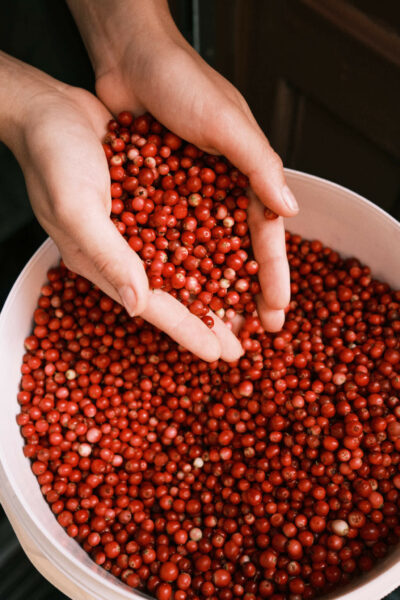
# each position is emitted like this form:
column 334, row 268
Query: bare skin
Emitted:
column 141, row 63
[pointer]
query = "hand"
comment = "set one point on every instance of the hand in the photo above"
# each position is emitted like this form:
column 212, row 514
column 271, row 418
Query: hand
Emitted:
column 57, row 143
column 143, row 63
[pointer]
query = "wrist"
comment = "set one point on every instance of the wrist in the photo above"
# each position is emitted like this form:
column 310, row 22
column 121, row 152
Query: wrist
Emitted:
column 21, row 87
column 112, row 29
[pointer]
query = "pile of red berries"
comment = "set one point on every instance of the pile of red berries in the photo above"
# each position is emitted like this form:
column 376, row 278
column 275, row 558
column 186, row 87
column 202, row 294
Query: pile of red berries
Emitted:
column 185, row 213
column 276, row 476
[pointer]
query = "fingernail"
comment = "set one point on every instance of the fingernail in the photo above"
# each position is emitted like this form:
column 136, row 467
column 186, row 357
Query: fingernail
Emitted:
column 128, row 298
column 289, row 199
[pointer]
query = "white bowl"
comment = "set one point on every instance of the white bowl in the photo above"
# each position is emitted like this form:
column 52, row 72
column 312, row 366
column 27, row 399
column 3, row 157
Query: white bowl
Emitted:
column 339, row 218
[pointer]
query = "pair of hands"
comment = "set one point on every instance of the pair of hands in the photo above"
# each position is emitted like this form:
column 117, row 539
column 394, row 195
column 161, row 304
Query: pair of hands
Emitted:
column 142, row 63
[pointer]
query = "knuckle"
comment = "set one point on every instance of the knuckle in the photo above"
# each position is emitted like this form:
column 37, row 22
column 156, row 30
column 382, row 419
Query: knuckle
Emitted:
column 235, row 96
column 229, row 115
column 276, row 160
column 242, row 103
column 68, row 262
column 142, row 297
column 104, row 266
column 279, row 302
column 71, row 261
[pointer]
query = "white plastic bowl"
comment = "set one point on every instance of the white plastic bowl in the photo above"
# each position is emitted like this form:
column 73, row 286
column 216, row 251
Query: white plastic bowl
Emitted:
column 339, row 218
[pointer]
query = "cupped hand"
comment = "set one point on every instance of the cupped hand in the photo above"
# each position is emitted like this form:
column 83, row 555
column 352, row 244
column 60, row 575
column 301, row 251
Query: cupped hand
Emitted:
column 68, row 182
column 159, row 72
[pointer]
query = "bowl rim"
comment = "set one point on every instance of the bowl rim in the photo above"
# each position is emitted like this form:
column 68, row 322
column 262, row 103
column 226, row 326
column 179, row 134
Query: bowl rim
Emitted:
column 98, row 581
column 324, row 183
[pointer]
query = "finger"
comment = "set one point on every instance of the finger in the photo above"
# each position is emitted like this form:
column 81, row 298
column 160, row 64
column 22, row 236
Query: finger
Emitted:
column 269, row 247
column 172, row 317
column 105, row 258
column 272, row 320
column 245, row 145
column 231, row 348
column 237, row 323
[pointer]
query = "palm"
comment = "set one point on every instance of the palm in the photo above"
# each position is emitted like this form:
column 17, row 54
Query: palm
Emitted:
column 198, row 104
column 75, row 181
column 71, row 197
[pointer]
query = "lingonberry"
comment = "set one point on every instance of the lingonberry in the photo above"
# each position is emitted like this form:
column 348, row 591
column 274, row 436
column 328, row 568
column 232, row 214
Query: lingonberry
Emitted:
column 272, row 477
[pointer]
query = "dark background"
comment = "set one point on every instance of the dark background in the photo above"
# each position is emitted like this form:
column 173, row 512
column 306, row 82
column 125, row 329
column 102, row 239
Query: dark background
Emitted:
column 321, row 76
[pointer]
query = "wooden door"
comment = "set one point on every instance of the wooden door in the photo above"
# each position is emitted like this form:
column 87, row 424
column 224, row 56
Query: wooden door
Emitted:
column 322, row 78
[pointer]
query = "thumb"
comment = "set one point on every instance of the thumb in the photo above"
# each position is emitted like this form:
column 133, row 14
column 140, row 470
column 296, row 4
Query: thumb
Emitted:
column 100, row 253
column 240, row 139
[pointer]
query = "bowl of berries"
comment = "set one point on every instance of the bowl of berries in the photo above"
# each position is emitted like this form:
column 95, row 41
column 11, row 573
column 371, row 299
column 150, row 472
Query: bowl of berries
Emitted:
column 131, row 468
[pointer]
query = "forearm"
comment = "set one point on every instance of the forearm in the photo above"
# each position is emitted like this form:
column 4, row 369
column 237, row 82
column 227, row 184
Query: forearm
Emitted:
column 108, row 26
